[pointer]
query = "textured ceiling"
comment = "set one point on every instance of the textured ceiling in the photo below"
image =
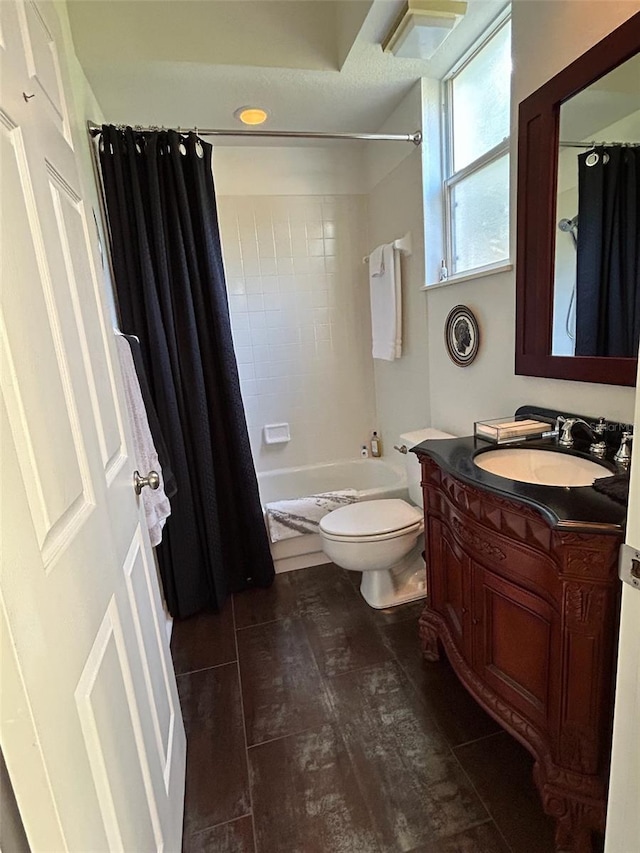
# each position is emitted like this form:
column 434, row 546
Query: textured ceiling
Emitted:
column 313, row 64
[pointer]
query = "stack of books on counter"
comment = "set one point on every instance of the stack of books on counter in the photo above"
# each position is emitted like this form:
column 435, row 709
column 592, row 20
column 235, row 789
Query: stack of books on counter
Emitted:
column 503, row 430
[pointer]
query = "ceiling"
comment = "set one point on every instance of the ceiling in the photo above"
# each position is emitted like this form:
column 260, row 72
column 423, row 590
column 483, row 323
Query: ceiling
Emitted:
column 313, row 64
column 607, row 101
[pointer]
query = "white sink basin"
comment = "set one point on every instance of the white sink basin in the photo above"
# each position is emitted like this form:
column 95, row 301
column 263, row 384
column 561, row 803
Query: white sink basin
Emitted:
column 542, row 467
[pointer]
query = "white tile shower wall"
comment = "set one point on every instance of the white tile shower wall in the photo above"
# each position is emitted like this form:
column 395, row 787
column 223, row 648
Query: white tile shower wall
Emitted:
column 299, row 307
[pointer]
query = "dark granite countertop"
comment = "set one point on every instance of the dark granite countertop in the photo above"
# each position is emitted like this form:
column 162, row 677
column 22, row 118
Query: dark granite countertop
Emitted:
column 579, row 508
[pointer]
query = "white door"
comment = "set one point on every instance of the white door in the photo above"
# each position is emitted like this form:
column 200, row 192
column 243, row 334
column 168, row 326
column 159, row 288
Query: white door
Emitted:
column 623, row 811
column 90, row 722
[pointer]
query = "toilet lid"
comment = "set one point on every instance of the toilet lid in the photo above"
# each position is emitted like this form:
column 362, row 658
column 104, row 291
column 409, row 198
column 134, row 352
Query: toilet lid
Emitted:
column 371, row 518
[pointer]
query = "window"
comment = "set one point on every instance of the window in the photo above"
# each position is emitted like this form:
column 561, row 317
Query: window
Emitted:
column 477, row 109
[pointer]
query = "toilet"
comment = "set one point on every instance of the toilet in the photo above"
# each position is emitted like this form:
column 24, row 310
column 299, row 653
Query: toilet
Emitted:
column 383, row 538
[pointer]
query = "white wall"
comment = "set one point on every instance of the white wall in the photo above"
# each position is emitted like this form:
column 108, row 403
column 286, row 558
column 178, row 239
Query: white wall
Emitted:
column 546, row 37
column 335, row 169
column 299, row 301
column 381, row 158
column 402, row 386
column 395, row 208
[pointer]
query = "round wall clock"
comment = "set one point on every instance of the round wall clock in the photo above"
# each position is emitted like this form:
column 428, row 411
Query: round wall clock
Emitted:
column 461, row 335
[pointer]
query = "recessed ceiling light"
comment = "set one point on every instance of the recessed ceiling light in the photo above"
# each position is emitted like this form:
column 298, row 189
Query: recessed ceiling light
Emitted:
column 251, row 115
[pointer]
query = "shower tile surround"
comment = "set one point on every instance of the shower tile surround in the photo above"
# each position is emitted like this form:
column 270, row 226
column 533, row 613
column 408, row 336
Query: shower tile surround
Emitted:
column 299, row 304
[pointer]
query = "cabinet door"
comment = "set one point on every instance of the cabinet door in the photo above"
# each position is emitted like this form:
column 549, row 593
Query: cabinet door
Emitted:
column 515, row 644
column 450, row 579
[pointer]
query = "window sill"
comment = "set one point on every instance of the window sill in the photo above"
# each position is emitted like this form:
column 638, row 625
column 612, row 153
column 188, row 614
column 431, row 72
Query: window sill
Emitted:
column 480, row 272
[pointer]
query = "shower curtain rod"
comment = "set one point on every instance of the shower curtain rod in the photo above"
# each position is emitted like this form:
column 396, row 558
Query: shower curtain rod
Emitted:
column 416, row 138
column 598, row 144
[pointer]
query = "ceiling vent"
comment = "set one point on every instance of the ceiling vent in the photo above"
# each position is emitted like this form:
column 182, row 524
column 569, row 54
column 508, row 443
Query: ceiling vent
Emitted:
column 422, row 27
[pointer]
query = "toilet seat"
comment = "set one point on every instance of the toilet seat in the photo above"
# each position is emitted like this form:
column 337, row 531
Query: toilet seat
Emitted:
column 370, row 521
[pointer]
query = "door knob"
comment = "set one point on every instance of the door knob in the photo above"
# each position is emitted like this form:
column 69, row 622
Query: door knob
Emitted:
column 152, row 480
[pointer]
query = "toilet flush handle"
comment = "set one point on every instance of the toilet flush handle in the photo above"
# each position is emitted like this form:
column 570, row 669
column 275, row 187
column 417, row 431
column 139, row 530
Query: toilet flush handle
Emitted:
column 401, row 449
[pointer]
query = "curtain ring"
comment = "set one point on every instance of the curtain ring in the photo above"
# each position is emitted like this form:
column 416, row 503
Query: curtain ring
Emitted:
column 592, row 159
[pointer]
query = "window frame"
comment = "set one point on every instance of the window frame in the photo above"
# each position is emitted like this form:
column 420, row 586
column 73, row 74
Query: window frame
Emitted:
column 452, row 178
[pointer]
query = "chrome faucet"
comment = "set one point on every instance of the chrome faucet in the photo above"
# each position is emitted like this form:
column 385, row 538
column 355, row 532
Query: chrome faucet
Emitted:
column 597, row 447
column 623, row 453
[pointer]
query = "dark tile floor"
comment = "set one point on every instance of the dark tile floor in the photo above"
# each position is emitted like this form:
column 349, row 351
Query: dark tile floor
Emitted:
column 314, row 726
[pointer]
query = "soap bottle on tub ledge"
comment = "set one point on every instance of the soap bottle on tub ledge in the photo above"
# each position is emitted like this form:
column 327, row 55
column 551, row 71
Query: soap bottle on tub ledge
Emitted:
column 376, row 444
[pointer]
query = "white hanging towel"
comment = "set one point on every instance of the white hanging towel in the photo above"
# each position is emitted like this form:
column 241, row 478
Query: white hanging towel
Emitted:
column 385, row 289
column 155, row 502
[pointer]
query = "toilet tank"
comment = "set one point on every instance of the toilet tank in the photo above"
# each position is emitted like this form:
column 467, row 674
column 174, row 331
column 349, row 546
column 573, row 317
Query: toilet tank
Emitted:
column 410, row 439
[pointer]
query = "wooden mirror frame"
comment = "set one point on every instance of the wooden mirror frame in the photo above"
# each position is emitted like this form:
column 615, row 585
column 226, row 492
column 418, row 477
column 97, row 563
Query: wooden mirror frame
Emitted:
column 538, row 139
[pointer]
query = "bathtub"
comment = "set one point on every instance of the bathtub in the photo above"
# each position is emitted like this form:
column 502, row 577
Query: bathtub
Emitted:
column 373, row 478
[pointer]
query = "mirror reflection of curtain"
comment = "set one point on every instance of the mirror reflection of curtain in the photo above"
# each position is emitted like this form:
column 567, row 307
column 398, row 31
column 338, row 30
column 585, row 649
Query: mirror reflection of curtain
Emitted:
column 608, row 262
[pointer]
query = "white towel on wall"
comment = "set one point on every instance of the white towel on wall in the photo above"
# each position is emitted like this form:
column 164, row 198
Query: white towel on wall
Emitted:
column 156, row 504
column 385, row 288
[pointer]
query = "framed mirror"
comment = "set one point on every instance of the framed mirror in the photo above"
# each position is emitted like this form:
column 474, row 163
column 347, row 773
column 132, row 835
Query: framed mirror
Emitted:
column 578, row 226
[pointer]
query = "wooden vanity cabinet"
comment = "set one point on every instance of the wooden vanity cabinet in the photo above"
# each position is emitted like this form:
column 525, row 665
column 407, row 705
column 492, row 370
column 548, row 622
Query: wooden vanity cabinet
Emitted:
column 528, row 616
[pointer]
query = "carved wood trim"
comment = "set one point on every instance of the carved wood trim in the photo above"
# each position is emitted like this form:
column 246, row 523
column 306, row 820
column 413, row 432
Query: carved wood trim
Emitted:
column 478, row 542
column 584, row 606
column 567, row 782
column 575, row 574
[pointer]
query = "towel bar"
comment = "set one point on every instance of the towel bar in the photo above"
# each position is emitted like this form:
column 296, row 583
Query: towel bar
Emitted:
column 402, row 244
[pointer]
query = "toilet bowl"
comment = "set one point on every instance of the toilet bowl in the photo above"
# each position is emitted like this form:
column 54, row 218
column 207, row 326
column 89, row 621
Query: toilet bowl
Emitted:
column 383, row 538
column 379, row 539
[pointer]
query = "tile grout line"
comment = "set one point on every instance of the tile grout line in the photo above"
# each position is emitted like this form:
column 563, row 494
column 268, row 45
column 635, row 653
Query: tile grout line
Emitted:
column 281, row 737
column 244, row 727
column 484, row 805
column 482, row 737
column 204, row 668
column 414, row 687
column 222, row 823
column 452, row 750
column 362, row 790
column 261, row 624
column 378, row 628
column 334, row 718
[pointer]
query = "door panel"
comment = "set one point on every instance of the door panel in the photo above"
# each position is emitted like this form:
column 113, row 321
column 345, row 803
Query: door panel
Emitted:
column 451, row 568
column 90, row 727
column 519, row 671
column 107, row 708
column 72, row 231
column 43, row 64
column 150, row 638
column 60, row 499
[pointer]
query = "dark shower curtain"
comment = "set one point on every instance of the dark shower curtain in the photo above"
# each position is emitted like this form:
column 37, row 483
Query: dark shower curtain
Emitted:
column 170, row 285
column 608, row 262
